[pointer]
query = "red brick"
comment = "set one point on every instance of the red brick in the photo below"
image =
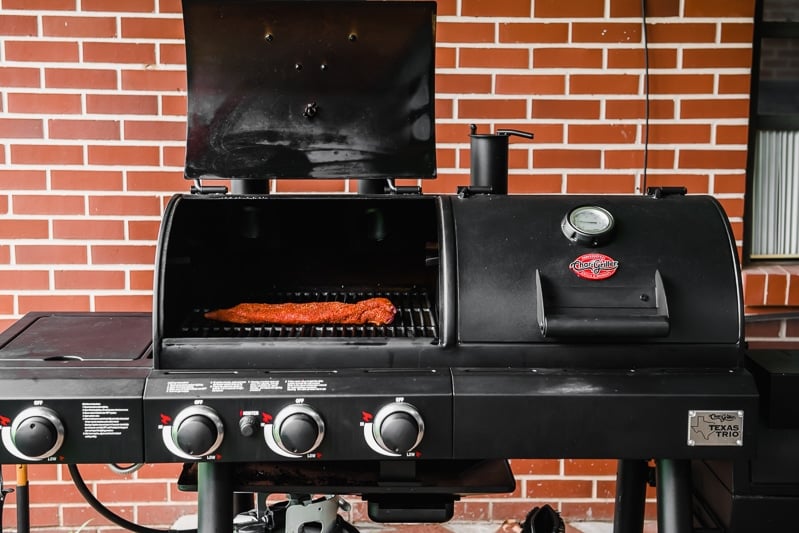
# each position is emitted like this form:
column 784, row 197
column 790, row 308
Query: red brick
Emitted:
column 602, row 134
column 125, row 205
column 18, row 280
column 600, row 183
column 83, row 129
column 118, row 52
column 659, row 58
column 445, row 157
column 595, row 467
column 152, row 130
column 681, row 32
column 533, row 32
column 769, row 328
column 5, row 254
column 604, row 84
column 464, row 32
column 618, row 159
column 18, row 25
column 566, row 158
column 86, row 180
column 174, row 156
column 49, row 254
column 151, row 28
column 164, row 471
column 173, row 105
column 471, row 511
column 24, row 229
column 735, row 32
column 538, row 467
column 445, row 58
column 73, row 26
column 43, row 5
column 6, row 306
column 535, row 183
column 734, row 83
column 606, row 32
column 124, row 155
column 44, row 103
column 77, row 516
column 715, row 108
column 141, row 280
column 154, row 80
column 733, row 207
column 754, row 288
column 719, row 8
column 491, row 8
column 679, row 133
column 654, row 8
column 169, row 6
column 122, row 104
column 23, row 179
column 630, row 109
column 565, row 109
column 712, row 158
column 79, row 78
column 452, row 133
column 560, row 9
column 731, row 134
column 530, row 84
column 492, row 109
column 19, row 77
column 124, row 6
column 695, row 183
column 572, row 57
column 793, row 300
column 681, row 83
column 445, row 108
column 174, row 181
column 21, row 128
column 124, row 303
column 89, row 279
column 559, row 488
column 594, row 511
column 776, row 289
column 122, row 254
column 172, row 54
column 463, row 83
column 48, row 204
column 717, row 58
column 445, row 183
column 49, row 154
column 42, row 51
column 89, row 229
column 124, row 491
column 494, row 57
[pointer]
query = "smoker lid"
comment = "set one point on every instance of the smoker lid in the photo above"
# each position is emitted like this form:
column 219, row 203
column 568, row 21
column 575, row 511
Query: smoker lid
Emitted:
column 310, row 89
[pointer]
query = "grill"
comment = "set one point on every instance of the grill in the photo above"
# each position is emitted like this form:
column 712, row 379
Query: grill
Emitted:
column 527, row 326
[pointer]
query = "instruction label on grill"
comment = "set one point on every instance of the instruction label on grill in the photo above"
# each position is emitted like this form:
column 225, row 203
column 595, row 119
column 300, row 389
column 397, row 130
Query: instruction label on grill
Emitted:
column 715, row 428
column 101, row 420
column 305, row 385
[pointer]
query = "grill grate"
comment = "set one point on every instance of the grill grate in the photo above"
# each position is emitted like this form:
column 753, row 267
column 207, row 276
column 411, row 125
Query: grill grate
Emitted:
column 416, row 317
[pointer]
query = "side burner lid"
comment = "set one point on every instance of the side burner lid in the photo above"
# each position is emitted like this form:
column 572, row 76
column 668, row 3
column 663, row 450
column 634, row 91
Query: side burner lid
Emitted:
column 310, row 89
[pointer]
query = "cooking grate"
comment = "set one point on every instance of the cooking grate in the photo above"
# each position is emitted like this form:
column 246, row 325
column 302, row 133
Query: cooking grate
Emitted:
column 415, row 317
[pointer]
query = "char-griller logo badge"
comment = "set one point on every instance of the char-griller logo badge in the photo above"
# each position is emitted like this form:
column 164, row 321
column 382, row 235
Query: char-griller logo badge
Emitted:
column 594, row 266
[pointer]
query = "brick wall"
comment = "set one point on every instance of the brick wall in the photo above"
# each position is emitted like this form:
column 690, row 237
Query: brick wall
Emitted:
column 92, row 126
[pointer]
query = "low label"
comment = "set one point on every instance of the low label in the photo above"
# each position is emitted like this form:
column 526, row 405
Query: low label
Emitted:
column 594, row 266
column 715, row 428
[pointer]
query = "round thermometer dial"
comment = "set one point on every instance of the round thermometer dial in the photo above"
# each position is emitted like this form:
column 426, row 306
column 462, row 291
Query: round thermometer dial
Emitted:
column 590, row 225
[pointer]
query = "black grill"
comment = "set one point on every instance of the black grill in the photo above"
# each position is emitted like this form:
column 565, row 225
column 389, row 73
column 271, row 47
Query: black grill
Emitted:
column 416, row 317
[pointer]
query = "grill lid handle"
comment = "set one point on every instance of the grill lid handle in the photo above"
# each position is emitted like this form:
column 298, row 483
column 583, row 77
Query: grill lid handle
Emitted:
column 601, row 323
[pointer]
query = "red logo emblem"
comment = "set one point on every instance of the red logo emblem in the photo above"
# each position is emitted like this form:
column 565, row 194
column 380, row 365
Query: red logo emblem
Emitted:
column 594, row 266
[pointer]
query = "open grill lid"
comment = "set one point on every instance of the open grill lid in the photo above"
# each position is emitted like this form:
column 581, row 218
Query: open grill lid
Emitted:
column 311, row 89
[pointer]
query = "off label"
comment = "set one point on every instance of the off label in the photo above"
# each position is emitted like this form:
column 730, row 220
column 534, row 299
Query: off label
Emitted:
column 715, row 428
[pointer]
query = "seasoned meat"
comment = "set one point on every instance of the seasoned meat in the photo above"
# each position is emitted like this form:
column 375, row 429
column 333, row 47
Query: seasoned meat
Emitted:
column 375, row 311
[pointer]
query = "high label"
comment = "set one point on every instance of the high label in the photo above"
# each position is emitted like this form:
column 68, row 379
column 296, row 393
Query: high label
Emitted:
column 594, row 266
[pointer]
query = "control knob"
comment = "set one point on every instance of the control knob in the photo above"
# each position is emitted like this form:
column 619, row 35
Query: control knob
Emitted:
column 398, row 427
column 198, row 431
column 298, row 429
column 37, row 432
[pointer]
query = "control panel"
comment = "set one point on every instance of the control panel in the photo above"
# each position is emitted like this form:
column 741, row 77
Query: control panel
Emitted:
column 282, row 416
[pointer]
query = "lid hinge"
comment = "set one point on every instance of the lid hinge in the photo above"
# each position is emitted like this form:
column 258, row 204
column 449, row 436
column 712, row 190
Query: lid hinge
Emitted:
column 199, row 188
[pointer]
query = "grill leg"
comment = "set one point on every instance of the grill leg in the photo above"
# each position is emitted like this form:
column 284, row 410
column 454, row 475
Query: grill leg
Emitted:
column 214, row 498
column 631, row 479
column 674, row 496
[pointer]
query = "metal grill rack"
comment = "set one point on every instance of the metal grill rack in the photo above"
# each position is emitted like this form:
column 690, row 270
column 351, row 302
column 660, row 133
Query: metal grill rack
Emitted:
column 416, row 317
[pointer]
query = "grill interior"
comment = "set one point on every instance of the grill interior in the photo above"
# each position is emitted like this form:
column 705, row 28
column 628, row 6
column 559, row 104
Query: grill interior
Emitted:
column 416, row 317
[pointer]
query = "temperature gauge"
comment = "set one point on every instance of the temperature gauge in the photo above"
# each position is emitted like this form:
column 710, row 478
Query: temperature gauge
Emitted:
column 590, row 225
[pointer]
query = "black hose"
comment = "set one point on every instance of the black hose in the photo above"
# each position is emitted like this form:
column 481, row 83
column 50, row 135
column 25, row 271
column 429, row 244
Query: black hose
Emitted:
column 105, row 511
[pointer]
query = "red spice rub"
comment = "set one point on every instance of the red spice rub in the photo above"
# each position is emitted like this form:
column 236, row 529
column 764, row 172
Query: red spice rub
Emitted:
column 375, row 311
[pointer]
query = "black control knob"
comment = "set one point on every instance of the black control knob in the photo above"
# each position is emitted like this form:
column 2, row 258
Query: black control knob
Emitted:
column 37, row 432
column 298, row 429
column 248, row 425
column 398, row 427
column 198, row 431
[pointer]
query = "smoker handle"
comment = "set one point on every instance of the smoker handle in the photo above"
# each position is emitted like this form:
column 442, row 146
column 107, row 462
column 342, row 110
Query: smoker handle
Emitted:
column 656, row 325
